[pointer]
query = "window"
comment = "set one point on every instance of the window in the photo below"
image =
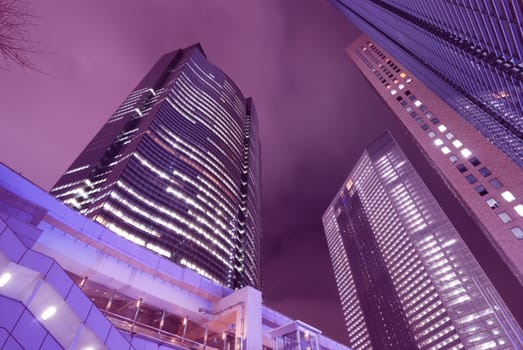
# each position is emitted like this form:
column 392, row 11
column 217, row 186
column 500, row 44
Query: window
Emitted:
column 445, row 150
column 481, row 190
column 519, row 209
column 423, row 108
column 417, row 103
column 474, row 161
column 425, row 127
column 431, row 134
column 449, row 136
column 453, row 159
column 491, row 202
column 504, row 217
column 434, row 121
column 508, row 196
column 407, row 92
column 495, row 183
column 471, row 179
column 465, row 152
column 438, row 142
column 409, row 109
column 461, row 168
column 404, row 103
column 484, row 171
column 457, row 143
column 393, row 92
column 418, row 120
column 442, row 128
column 399, row 98
column 412, row 97
column 401, row 86
column 517, row 231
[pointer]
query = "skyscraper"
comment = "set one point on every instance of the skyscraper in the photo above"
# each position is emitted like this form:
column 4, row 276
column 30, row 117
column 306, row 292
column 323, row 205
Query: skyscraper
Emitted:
column 469, row 53
column 484, row 180
column 405, row 278
column 176, row 169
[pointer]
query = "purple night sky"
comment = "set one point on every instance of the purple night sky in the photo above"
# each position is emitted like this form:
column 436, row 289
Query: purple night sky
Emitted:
column 315, row 109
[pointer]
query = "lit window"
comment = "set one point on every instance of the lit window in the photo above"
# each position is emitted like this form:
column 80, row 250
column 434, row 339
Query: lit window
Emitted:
column 401, row 86
column 461, row 168
column 453, row 159
column 442, row 128
column 393, row 92
column 495, row 183
column 417, row 103
column 508, row 196
column 409, row 80
column 409, row 109
column 481, row 190
column 519, row 209
column 484, row 171
column 457, row 143
column 445, row 150
column 471, row 179
column 449, row 136
column 438, row 142
column 429, row 115
column 465, row 152
column 517, row 231
column 491, row 202
column 504, row 217
column 403, row 75
column 431, row 134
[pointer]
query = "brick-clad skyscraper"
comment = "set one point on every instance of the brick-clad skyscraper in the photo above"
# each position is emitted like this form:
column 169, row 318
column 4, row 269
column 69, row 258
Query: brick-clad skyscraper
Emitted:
column 470, row 53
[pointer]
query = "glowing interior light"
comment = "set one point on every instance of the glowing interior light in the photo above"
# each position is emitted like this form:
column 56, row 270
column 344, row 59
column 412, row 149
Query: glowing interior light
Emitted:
column 442, row 128
column 457, row 143
column 417, row 103
column 445, row 150
column 508, row 196
column 401, row 86
column 519, row 209
column 465, row 152
column 393, row 92
column 5, row 278
column 49, row 312
column 409, row 80
column 403, row 75
column 438, row 142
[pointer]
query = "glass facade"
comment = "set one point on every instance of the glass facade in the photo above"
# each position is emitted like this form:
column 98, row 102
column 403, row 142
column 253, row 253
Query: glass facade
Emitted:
column 176, row 170
column 470, row 53
column 405, row 277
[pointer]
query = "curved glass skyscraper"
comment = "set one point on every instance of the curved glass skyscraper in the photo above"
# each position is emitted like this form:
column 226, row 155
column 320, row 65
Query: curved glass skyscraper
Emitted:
column 176, row 169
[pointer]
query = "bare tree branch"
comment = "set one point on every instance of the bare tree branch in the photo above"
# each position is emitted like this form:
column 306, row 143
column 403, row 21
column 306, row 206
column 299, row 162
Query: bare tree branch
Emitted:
column 15, row 45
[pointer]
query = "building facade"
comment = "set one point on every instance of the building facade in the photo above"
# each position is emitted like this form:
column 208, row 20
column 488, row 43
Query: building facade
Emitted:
column 469, row 53
column 176, row 169
column 486, row 182
column 406, row 279
column 67, row 282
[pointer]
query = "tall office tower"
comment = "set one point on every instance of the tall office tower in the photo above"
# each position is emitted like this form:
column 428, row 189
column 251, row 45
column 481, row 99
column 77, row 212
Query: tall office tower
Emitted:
column 176, row 169
column 484, row 180
column 470, row 53
column 406, row 279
